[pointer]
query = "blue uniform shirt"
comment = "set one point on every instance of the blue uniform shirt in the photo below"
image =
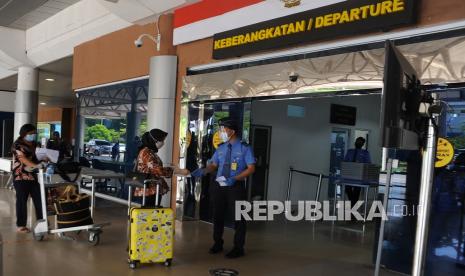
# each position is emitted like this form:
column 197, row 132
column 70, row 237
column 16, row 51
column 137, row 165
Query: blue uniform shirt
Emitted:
column 241, row 157
column 357, row 155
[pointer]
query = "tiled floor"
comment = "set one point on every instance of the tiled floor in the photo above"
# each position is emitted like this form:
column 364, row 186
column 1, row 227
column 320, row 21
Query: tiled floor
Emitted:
column 272, row 249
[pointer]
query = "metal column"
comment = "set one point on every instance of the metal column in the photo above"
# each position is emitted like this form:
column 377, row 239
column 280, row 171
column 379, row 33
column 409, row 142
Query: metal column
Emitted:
column 289, row 183
column 318, row 189
column 133, row 121
column 78, row 149
column 427, row 171
column 161, row 104
column 27, row 98
column 198, row 180
column 385, row 206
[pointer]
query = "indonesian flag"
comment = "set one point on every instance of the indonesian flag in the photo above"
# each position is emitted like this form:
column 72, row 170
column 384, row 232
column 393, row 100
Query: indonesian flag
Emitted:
column 208, row 17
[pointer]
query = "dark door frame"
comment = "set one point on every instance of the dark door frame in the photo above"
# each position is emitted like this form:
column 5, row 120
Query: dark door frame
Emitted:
column 270, row 130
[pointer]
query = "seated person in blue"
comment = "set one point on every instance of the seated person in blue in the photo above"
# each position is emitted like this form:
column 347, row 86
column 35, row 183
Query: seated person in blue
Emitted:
column 357, row 155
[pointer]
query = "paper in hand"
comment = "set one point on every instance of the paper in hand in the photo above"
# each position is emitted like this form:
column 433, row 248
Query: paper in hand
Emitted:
column 43, row 153
column 222, row 181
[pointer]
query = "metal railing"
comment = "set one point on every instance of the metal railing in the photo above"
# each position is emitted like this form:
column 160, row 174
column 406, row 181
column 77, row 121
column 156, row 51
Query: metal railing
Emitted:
column 289, row 182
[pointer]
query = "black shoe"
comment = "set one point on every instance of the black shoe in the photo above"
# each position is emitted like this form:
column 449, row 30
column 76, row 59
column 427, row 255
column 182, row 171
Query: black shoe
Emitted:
column 235, row 253
column 216, row 248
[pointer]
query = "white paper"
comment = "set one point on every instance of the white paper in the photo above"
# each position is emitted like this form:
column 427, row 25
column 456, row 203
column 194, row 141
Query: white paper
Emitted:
column 43, row 142
column 43, row 153
column 222, row 181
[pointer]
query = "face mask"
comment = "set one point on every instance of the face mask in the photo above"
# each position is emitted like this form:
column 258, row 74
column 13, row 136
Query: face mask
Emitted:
column 159, row 145
column 30, row 137
column 224, row 136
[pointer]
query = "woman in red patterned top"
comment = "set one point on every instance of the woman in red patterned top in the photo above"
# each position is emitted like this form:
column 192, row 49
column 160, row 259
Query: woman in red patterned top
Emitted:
column 149, row 162
column 24, row 177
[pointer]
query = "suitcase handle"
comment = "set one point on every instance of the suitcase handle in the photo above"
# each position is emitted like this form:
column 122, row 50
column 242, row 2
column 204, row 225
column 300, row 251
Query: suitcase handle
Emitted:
column 157, row 192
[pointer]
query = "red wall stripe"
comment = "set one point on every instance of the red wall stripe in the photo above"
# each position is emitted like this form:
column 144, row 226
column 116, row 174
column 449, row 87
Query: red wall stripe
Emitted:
column 206, row 9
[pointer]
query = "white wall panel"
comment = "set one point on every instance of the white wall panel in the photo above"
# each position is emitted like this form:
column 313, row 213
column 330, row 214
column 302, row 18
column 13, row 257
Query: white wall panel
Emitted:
column 305, row 143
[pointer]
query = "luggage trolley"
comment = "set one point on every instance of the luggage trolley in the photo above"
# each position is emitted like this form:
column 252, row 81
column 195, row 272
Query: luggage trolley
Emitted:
column 42, row 227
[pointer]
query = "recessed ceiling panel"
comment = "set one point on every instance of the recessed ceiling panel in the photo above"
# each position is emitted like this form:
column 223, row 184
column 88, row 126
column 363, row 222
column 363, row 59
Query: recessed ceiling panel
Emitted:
column 11, row 10
column 24, row 14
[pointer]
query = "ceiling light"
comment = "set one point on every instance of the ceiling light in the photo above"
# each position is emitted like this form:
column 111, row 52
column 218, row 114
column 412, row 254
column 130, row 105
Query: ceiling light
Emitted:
column 42, row 103
column 49, row 79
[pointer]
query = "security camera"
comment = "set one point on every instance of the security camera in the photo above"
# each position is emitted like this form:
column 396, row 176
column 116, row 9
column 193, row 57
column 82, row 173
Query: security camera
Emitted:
column 157, row 40
column 138, row 42
column 293, row 76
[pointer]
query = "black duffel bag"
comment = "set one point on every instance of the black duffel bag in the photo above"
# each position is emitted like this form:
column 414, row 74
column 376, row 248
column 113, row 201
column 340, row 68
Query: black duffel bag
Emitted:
column 67, row 167
column 73, row 219
column 73, row 209
column 71, row 201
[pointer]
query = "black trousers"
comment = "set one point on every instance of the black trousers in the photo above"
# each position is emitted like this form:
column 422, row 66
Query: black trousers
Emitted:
column 224, row 201
column 24, row 189
column 353, row 193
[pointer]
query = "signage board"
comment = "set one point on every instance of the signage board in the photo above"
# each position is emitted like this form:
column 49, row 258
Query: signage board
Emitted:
column 346, row 18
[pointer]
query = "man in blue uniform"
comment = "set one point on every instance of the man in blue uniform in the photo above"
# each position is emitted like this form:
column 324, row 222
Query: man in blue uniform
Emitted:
column 357, row 155
column 234, row 162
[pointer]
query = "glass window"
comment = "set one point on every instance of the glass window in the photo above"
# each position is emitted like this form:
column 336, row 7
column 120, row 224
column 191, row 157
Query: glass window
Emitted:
column 114, row 119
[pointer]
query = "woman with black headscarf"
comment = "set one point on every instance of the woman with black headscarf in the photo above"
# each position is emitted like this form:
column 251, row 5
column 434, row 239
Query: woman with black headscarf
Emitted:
column 24, row 176
column 148, row 162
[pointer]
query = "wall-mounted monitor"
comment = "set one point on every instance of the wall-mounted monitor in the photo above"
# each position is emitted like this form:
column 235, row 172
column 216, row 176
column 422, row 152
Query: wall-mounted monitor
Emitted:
column 343, row 115
column 401, row 122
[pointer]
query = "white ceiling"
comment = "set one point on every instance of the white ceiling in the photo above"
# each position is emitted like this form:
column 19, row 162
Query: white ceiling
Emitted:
column 24, row 14
column 8, row 84
column 57, row 93
column 142, row 11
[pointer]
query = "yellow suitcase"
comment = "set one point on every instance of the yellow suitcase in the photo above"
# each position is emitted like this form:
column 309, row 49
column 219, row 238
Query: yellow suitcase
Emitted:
column 151, row 234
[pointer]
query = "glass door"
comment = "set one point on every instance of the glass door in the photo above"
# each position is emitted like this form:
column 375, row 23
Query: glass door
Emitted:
column 446, row 254
column 203, row 136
